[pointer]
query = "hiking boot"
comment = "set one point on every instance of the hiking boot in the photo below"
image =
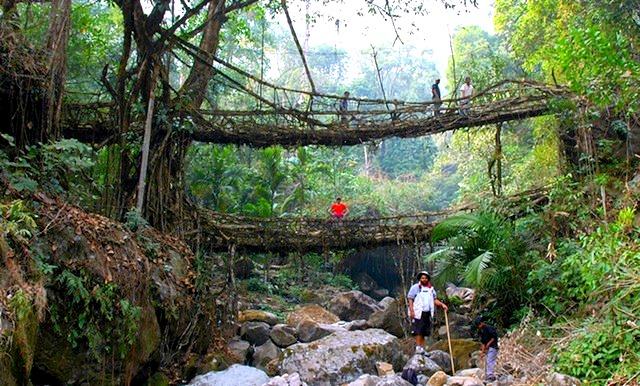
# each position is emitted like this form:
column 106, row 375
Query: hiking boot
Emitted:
column 420, row 350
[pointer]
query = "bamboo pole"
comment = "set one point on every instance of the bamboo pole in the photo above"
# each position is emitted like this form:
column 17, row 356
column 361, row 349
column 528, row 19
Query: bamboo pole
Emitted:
column 145, row 154
column 446, row 319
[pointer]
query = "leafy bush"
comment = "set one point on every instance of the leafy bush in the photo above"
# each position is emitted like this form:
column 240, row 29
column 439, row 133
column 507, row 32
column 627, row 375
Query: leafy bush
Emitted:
column 256, row 284
column 61, row 167
column 16, row 220
column 340, row 281
column 596, row 278
column 484, row 250
column 96, row 315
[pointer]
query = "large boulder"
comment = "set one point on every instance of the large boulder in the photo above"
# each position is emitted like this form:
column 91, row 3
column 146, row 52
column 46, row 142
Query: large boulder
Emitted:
column 286, row 380
column 255, row 333
column 372, row 380
column 263, row 355
column 387, row 317
column 464, row 381
column 236, row 375
column 438, row 379
column 353, row 305
column 257, row 316
column 283, row 335
column 473, row 372
column 342, row 356
column 462, row 350
column 366, row 283
column 442, row 358
column 464, row 295
column 140, row 279
column 459, row 327
column 238, row 350
column 557, row 379
column 312, row 312
column 308, row 330
column 422, row 365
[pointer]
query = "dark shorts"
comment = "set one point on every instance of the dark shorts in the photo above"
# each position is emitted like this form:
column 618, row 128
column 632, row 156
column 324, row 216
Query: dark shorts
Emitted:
column 422, row 326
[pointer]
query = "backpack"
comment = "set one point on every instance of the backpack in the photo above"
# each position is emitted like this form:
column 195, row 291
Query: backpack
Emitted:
column 410, row 376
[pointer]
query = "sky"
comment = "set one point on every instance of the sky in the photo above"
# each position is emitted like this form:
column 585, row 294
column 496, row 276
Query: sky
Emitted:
column 356, row 34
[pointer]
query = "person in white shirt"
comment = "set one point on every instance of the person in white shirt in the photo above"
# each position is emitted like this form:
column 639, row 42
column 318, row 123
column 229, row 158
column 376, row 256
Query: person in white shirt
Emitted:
column 466, row 92
column 422, row 303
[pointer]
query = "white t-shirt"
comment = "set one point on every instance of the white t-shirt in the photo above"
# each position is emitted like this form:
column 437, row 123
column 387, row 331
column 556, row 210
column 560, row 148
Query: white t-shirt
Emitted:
column 466, row 90
column 423, row 299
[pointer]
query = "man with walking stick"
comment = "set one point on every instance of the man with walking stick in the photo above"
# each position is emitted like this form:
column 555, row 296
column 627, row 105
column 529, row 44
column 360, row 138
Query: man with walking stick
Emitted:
column 422, row 303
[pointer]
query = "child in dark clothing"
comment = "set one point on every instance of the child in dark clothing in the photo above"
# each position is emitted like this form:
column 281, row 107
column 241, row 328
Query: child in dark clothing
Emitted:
column 489, row 340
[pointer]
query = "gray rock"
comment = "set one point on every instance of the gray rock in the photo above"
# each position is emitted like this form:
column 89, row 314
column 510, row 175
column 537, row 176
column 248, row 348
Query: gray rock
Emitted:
column 357, row 325
column 379, row 293
column 372, row 380
column 353, row 305
column 257, row 316
column 442, row 358
column 474, row 373
column 422, row 365
column 264, row 354
column 366, row 283
column 466, row 295
column 557, row 379
column 342, row 356
column 283, row 335
column 238, row 350
column 463, row 381
column 255, row 333
column 308, row 330
column 459, row 326
column 286, row 380
column 236, row 375
column 387, row 317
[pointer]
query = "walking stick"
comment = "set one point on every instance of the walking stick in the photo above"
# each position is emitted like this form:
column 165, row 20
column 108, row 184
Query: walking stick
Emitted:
column 446, row 319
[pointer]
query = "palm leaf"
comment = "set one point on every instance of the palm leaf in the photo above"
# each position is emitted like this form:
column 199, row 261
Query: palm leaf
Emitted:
column 454, row 226
column 473, row 274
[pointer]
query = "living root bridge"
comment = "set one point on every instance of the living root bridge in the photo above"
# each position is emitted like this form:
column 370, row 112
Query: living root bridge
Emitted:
column 305, row 235
column 285, row 234
column 291, row 124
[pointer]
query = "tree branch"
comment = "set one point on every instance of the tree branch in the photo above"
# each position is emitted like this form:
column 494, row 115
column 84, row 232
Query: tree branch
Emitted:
column 300, row 51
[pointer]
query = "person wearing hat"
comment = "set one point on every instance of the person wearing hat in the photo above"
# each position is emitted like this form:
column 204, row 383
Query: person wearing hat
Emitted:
column 489, row 340
column 422, row 303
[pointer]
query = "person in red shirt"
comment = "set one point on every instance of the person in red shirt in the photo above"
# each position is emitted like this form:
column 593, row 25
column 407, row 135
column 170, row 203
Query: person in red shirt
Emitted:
column 338, row 209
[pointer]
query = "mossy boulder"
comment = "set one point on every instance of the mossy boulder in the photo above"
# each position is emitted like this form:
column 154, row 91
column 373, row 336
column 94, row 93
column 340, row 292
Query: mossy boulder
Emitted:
column 462, row 350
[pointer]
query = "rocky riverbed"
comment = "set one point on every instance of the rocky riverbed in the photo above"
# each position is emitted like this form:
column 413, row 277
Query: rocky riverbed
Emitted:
column 354, row 340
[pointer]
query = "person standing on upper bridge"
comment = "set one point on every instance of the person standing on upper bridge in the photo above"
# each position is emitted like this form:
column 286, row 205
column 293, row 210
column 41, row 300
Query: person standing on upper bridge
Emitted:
column 466, row 92
column 343, row 108
column 338, row 209
column 436, row 97
column 422, row 305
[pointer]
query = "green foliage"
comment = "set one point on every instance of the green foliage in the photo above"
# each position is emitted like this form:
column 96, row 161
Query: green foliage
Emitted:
column 480, row 56
column 96, row 315
column 17, row 221
column 340, row 281
column 597, row 276
column 406, row 157
column 485, row 251
column 589, row 45
column 256, row 284
column 61, row 168
column 134, row 220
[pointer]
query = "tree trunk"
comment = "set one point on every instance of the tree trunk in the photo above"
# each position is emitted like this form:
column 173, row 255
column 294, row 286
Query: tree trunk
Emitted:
column 57, row 42
column 165, row 205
